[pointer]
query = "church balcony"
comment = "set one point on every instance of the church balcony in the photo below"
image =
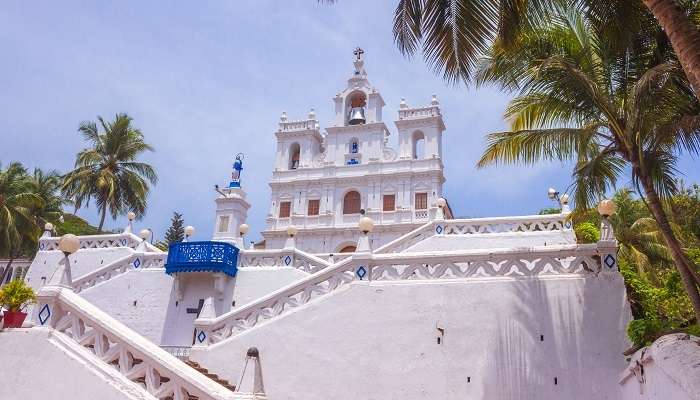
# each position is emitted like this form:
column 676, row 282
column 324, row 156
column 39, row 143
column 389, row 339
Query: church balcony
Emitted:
column 206, row 256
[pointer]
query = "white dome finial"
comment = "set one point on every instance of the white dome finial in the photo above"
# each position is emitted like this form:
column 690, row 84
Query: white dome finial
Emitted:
column 434, row 101
column 283, row 117
column 312, row 114
column 403, row 103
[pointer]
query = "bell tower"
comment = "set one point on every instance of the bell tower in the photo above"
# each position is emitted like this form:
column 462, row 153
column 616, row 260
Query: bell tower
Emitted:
column 359, row 103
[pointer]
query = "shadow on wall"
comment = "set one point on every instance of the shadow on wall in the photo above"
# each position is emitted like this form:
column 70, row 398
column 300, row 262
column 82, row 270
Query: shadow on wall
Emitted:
column 552, row 350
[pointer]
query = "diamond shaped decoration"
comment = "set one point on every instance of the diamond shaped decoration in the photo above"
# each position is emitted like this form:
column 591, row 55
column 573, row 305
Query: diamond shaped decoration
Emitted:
column 287, row 260
column 44, row 314
column 438, row 229
column 137, row 263
column 41, row 246
column 609, row 261
column 201, row 337
column 361, row 272
column 123, row 242
column 567, row 224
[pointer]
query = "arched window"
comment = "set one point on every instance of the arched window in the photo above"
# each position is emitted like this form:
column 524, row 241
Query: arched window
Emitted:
column 351, row 203
column 294, row 151
column 418, row 145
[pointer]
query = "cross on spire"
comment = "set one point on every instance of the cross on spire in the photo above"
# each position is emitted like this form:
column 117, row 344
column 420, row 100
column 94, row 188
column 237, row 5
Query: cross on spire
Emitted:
column 358, row 53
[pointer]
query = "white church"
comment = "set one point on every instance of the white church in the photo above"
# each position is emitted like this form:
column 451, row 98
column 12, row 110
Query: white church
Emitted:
column 364, row 287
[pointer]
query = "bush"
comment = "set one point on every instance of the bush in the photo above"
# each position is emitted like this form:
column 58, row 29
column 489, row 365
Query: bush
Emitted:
column 16, row 295
column 586, row 232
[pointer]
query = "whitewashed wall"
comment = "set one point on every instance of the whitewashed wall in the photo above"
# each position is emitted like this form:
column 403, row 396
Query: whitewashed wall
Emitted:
column 379, row 341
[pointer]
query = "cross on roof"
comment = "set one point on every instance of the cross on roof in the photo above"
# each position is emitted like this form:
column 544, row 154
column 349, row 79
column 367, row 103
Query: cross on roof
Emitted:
column 358, row 53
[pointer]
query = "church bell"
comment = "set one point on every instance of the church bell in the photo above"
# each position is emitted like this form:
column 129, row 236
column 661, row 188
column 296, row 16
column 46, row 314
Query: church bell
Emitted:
column 356, row 116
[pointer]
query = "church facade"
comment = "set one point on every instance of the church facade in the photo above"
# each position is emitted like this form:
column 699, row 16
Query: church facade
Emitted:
column 323, row 181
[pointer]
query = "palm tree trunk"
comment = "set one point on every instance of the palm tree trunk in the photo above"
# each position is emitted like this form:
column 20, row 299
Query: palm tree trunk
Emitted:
column 102, row 218
column 684, row 37
column 679, row 258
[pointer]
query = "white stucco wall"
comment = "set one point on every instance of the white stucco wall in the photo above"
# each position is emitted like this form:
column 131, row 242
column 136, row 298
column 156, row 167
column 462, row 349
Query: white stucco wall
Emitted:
column 379, row 341
column 36, row 366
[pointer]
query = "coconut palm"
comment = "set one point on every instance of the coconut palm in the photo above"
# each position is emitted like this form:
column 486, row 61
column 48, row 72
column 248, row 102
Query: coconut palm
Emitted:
column 581, row 99
column 453, row 34
column 17, row 224
column 47, row 185
column 108, row 171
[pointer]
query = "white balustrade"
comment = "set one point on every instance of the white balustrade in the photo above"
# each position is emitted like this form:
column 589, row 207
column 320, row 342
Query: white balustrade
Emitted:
column 419, row 112
column 118, row 267
column 126, row 239
column 293, row 258
column 421, row 215
column 307, row 124
column 472, row 226
column 135, row 357
column 512, row 263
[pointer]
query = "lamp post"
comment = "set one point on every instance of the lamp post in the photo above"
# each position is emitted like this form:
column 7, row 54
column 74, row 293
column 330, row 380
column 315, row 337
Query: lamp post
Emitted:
column 48, row 229
column 189, row 231
column 242, row 230
column 130, row 227
column 366, row 226
column 68, row 244
column 144, row 234
column 292, row 231
column 606, row 208
column 564, row 202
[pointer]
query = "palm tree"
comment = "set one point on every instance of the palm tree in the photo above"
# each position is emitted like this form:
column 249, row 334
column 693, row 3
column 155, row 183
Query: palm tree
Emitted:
column 107, row 171
column 580, row 98
column 453, row 34
column 47, row 185
column 17, row 224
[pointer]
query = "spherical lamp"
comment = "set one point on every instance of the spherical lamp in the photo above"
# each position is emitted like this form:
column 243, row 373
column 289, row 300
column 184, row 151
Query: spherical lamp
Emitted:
column 606, row 208
column 552, row 193
column 292, row 231
column 366, row 225
column 243, row 229
column 68, row 244
column 189, row 230
column 144, row 233
column 48, row 227
column 441, row 202
column 131, row 215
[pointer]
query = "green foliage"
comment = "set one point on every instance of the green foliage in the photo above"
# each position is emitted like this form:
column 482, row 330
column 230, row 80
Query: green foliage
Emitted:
column 75, row 225
column 176, row 231
column 549, row 210
column 16, row 295
column 586, row 232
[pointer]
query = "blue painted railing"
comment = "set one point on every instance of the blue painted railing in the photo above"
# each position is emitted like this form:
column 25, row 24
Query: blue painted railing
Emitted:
column 202, row 257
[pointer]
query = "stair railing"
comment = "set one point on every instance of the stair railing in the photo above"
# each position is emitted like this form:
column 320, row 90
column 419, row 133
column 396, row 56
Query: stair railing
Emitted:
column 135, row 357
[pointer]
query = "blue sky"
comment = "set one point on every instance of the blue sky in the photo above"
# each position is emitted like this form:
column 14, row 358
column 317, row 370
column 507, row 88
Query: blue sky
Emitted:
column 207, row 80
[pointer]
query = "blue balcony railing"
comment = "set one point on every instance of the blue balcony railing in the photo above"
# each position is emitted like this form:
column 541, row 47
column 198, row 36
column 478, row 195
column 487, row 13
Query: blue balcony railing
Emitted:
column 202, row 257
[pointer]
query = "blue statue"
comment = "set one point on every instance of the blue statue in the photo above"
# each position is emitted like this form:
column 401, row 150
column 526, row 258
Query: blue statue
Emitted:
column 236, row 173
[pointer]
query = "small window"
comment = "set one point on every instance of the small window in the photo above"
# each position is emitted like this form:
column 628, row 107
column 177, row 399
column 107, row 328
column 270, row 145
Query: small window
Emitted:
column 294, row 152
column 223, row 224
column 354, row 146
column 351, row 203
column 314, row 207
column 421, row 201
column 285, row 209
column 389, row 202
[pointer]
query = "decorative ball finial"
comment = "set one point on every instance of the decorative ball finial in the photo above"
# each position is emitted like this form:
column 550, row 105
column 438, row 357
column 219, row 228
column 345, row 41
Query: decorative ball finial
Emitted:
column 283, row 117
column 403, row 103
column 312, row 114
column 434, row 101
